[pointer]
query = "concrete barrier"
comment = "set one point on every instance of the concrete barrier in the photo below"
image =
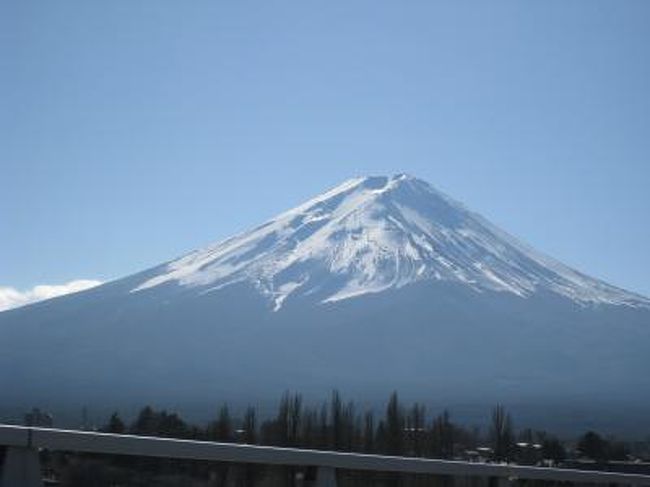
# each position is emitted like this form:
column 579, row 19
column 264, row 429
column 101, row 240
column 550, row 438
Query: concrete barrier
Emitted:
column 23, row 440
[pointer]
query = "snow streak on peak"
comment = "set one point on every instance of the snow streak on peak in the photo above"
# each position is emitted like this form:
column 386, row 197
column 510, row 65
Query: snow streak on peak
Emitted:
column 372, row 234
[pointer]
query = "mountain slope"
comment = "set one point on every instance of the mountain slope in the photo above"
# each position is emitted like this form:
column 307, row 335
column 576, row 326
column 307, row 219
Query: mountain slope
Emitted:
column 376, row 285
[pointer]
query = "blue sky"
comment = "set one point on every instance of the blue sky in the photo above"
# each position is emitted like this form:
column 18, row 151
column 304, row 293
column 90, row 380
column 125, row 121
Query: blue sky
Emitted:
column 132, row 132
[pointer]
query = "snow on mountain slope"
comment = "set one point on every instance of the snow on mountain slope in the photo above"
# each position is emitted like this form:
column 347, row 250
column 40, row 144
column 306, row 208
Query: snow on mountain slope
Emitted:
column 377, row 233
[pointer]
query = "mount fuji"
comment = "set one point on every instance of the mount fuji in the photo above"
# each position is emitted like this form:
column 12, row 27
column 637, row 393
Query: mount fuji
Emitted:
column 381, row 283
column 375, row 234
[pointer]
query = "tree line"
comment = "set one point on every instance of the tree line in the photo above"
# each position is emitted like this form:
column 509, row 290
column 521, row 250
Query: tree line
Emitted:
column 334, row 424
column 341, row 425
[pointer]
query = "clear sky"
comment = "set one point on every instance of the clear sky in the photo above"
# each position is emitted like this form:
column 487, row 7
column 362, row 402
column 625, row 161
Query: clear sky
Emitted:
column 134, row 131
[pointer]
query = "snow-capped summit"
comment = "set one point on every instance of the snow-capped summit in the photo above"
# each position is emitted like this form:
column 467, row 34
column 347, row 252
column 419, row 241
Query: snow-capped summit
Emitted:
column 373, row 234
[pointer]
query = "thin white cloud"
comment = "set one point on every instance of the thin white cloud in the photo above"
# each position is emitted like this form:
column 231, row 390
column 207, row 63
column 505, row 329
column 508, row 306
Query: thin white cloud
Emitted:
column 12, row 298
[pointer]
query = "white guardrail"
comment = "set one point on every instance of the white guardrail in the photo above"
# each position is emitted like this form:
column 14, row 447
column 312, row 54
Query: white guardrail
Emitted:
column 21, row 465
